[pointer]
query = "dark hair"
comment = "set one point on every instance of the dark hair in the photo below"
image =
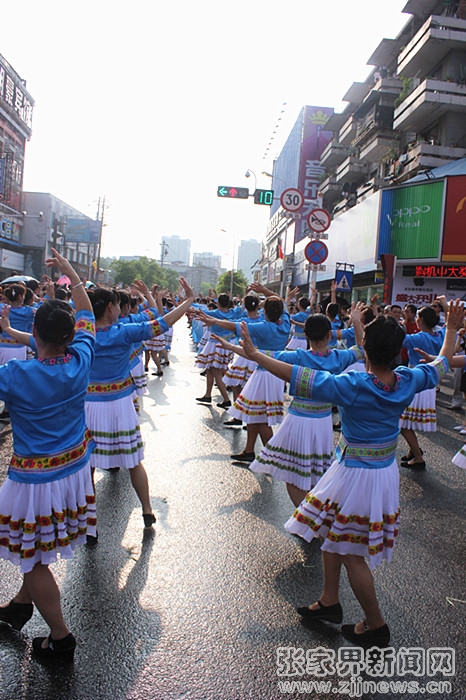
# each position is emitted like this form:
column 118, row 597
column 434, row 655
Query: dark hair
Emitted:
column 303, row 303
column 395, row 306
column 429, row 316
column 251, row 302
column 28, row 296
column 60, row 293
column 411, row 307
column 54, row 322
column 317, row 327
column 13, row 291
column 223, row 300
column 332, row 309
column 383, row 340
column 101, row 298
column 124, row 298
column 273, row 308
column 367, row 315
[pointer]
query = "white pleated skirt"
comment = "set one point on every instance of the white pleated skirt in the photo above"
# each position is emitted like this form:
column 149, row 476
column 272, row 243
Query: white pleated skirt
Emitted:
column 115, row 428
column 213, row 356
column 12, row 352
column 261, row 400
column 299, row 453
column 421, row 414
column 460, row 458
column 39, row 522
column 139, row 378
column 354, row 510
column 295, row 342
column 239, row 371
column 155, row 344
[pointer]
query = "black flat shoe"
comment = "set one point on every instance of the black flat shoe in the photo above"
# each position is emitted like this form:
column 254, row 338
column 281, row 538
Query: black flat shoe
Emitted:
column 244, row 457
column 157, row 374
column 370, row 638
column 149, row 519
column 329, row 613
column 16, row 614
column 224, row 404
column 57, row 650
column 205, row 399
column 92, row 540
column 233, row 422
column 415, row 466
column 409, row 457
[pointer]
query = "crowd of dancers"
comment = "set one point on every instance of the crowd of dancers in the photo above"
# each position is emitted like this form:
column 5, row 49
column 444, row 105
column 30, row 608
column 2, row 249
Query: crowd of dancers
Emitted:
column 75, row 362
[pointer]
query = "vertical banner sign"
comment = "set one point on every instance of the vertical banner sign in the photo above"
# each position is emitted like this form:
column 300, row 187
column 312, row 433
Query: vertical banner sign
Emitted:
column 314, row 141
column 388, row 267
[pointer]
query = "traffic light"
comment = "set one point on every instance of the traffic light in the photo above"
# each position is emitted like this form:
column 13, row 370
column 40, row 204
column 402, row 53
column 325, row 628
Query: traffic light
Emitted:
column 236, row 192
column 263, row 197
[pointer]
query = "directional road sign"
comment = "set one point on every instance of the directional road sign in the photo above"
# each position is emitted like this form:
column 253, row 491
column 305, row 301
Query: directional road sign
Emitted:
column 291, row 199
column 236, row 192
column 319, row 220
column 316, row 252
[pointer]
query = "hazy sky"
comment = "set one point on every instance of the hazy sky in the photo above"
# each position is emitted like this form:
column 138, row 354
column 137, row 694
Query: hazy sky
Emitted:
column 156, row 104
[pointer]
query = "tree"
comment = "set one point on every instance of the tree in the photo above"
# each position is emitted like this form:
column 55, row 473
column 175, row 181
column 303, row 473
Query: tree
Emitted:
column 239, row 283
column 146, row 269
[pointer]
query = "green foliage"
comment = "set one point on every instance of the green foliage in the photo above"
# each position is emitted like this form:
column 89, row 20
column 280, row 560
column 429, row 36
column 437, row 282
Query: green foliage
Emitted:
column 146, row 269
column 239, row 283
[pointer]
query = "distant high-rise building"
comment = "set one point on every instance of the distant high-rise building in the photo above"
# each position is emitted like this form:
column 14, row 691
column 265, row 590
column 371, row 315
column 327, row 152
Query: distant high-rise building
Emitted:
column 175, row 249
column 207, row 259
column 249, row 253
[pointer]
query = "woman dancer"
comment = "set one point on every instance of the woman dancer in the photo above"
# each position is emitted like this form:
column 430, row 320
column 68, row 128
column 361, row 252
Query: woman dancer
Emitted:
column 110, row 412
column 300, row 452
column 21, row 319
column 260, row 403
column 213, row 358
column 355, row 506
column 298, row 337
column 421, row 414
column 240, row 370
column 47, row 503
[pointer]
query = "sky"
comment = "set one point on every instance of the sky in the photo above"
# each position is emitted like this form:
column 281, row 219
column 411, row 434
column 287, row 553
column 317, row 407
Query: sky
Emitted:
column 155, row 104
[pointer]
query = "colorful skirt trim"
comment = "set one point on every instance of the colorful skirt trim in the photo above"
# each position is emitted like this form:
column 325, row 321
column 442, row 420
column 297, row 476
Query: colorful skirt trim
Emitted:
column 354, row 510
column 460, row 458
column 239, row 371
column 299, row 453
column 421, row 414
column 261, row 400
column 213, row 356
column 116, row 431
column 38, row 522
column 139, row 378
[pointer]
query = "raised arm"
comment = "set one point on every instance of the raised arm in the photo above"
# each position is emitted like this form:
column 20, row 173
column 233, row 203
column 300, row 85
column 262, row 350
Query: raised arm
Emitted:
column 20, row 336
column 179, row 311
column 454, row 322
column 80, row 297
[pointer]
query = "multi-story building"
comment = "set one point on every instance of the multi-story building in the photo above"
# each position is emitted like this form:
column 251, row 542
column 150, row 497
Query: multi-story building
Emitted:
column 16, row 106
column 175, row 250
column 207, row 260
column 397, row 205
column 249, row 253
column 31, row 222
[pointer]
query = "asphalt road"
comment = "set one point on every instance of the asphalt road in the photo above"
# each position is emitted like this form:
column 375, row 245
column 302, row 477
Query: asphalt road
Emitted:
column 203, row 608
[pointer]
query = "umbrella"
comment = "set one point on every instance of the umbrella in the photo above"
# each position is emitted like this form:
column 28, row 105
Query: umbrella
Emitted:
column 64, row 279
column 19, row 278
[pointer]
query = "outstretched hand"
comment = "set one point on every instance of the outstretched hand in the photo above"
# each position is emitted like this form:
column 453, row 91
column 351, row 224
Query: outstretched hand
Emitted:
column 61, row 262
column 455, row 318
column 186, row 288
column 246, row 342
column 5, row 317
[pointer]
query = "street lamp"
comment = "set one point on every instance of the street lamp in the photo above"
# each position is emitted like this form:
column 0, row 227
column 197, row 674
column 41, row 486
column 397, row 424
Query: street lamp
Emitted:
column 250, row 172
column 232, row 264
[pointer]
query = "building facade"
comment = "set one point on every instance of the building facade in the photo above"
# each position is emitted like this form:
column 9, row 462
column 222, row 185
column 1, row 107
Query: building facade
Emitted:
column 249, row 253
column 385, row 180
column 175, row 250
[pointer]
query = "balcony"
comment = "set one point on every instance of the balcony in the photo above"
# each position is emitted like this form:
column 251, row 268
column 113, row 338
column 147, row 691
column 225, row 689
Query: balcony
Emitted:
column 330, row 191
column 377, row 144
column 334, row 154
column 348, row 131
column 424, row 156
column 431, row 44
column 352, row 170
column 428, row 102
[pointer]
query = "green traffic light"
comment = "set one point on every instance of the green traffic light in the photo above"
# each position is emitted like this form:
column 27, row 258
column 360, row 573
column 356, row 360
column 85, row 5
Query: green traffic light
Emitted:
column 263, row 197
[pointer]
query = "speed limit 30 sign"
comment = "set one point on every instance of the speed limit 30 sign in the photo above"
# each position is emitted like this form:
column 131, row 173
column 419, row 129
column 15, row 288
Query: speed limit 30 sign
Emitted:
column 291, row 199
